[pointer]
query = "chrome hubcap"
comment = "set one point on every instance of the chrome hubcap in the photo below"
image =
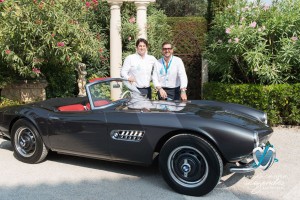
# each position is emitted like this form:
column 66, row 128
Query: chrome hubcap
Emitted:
column 25, row 142
column 187, row 166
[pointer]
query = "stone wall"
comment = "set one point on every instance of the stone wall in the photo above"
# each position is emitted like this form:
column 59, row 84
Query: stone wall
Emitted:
column 26, row 91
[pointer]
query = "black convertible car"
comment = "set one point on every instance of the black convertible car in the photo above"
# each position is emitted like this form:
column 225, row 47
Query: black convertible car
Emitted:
column 192, row 140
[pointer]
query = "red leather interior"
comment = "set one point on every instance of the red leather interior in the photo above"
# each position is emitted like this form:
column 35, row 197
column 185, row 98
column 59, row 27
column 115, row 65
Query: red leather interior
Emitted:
column 97, row 104
column 80, row 107
column 98, row 79
column 88, row 106
column 101, row 103
column 73, row 107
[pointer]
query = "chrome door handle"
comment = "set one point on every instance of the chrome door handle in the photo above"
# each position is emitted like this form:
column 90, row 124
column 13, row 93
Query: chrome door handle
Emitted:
column 53, row 118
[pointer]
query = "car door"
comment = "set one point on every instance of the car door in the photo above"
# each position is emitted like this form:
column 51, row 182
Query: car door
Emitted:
column 83, row 132
column 127, row 141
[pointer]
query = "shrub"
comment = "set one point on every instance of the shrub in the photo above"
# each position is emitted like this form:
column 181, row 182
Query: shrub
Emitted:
column 158, row 30
column 255, row 43
column 280, row 101
column 7, row 102
column 129, row 28
column 47, row 39
column 41, row 37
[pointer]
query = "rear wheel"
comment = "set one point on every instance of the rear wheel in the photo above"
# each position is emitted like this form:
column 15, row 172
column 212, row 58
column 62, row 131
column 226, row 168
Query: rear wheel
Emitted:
column 27, row 143
column 190, row 165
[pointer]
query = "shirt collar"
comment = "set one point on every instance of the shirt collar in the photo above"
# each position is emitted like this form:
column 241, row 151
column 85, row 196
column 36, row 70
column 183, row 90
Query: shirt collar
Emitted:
column 146, row 54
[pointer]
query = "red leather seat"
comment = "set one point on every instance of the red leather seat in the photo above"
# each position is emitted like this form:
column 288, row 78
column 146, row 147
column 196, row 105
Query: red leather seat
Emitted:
column 101, row 103
column 97, row 104
column 98, row 79
column 73, row 107
column 80, row 107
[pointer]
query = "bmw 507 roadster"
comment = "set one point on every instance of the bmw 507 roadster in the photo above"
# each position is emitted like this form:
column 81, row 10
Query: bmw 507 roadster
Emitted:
column 192, row 140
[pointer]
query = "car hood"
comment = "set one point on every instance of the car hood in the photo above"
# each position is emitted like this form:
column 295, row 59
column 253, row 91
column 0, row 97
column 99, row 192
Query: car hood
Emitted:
column 227, row 113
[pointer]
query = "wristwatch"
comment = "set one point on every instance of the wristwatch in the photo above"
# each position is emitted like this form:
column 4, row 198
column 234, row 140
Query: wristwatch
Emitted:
column 182, row 90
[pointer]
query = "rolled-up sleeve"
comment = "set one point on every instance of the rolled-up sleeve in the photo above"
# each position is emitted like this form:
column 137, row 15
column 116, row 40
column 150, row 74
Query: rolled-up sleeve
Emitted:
column 155, row 79
column 126, row 67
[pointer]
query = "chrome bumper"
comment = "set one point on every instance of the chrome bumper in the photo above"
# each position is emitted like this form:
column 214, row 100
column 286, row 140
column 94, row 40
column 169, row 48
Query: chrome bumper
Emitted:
column 249, row 167
column 263, row 157
column 3, row 136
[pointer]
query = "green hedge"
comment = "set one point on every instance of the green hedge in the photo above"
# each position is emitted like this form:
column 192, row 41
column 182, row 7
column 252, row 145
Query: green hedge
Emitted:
column 281, row 102
column 195, row 25
column 189, row 42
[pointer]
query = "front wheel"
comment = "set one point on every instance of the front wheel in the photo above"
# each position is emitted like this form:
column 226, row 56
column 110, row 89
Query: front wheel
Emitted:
column 190, row 165
column 27, row 143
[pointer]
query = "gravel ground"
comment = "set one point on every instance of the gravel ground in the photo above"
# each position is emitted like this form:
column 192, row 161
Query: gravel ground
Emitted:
column 68, row 177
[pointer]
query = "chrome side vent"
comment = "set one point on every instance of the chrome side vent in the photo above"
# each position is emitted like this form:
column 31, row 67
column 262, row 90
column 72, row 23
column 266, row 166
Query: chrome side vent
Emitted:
column 127, row 135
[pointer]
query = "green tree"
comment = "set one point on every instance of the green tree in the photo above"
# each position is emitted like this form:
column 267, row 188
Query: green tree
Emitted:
column 51, row 38
column 158, row 29
column 255, row 43
column 213, row 7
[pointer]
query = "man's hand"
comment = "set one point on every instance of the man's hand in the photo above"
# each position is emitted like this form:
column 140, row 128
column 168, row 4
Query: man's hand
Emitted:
column 163, row 93
column 183, row 95
column 131, row 79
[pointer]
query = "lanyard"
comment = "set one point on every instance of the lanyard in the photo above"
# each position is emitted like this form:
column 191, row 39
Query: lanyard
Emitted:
column 165, row 67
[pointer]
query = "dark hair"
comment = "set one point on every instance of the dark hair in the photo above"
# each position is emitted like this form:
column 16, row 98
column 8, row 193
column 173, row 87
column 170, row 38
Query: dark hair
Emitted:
column 141, row 40
column 163, row 44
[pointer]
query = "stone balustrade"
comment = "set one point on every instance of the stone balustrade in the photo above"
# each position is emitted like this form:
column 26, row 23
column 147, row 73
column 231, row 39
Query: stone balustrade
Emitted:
column 26, row 91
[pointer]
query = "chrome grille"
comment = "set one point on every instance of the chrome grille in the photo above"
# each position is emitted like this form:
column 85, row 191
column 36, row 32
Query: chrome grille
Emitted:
column 127, row 135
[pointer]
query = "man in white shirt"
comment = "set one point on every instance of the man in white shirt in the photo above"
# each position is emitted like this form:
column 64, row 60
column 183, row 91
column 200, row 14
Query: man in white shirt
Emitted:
column 137, row 68
column 169, row 76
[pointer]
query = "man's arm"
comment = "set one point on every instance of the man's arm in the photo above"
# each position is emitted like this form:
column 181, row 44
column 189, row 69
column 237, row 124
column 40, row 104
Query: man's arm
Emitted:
column 182, row 75
column 125, row 68
column 155, row 78
column 183, row 80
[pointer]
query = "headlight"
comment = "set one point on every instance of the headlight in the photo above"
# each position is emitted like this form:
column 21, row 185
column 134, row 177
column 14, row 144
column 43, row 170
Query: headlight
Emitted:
column 265, row 118
column 256, row 139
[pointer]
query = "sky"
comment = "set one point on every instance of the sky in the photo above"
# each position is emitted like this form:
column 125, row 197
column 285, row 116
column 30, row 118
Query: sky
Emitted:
column 269, row 2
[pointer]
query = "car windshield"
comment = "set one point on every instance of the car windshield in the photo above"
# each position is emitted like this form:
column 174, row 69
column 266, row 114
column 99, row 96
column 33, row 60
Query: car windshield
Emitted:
column 125, row 91
column 110, row 91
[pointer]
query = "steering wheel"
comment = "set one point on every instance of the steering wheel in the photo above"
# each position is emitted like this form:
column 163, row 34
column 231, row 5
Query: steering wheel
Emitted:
column 125, row 94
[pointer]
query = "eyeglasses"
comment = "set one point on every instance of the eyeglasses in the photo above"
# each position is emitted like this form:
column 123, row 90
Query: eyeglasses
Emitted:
column 167, row 49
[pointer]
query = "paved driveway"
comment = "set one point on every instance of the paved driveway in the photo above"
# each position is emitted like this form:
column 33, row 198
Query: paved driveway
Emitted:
column 68, row 177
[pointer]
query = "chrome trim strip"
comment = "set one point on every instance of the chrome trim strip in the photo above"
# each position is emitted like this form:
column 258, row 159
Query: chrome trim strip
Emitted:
column 244, row 168
column 127, row 135
column 256, row 139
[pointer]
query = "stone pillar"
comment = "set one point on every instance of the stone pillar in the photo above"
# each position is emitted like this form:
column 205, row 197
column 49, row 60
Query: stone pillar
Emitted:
column 115, row 36
column 141, row 17
column 115, row 44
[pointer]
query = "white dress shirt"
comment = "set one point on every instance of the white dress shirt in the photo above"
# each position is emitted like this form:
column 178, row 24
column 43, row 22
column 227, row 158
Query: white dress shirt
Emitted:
column 172, row 77
column 140, row 68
